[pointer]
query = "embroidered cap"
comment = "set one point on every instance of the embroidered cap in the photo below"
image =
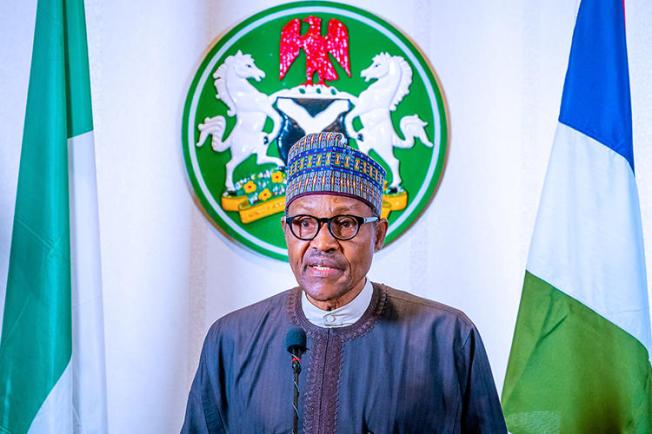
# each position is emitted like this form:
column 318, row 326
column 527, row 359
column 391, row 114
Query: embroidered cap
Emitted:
column 324, row 163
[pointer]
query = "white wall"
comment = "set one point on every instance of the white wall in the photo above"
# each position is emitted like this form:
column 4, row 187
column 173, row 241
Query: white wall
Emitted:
column 167, row 273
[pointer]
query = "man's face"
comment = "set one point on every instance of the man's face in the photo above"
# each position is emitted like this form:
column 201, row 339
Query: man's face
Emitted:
column 332, row 271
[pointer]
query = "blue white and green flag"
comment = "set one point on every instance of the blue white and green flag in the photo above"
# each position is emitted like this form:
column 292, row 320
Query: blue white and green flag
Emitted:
column 580, row 359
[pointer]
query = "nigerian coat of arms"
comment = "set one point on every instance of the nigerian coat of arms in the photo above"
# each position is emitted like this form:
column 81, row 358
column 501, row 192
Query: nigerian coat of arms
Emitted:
column 304, row 68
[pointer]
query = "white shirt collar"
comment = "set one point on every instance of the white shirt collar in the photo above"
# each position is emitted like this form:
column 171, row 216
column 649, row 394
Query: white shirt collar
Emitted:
column 342, row 316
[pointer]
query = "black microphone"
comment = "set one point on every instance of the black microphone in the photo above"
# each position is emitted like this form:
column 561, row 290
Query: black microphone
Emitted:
column 295, row 341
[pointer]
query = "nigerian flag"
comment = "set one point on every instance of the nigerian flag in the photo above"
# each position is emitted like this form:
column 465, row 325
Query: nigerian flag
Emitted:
column 52, row 377
column 580, row 359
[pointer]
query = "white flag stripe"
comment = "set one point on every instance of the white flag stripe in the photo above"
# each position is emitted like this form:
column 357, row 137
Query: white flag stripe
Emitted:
column 55, row 414
column 590, row 251
column 88, row 363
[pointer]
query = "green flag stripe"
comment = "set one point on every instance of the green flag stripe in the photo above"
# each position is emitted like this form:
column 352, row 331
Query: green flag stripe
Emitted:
column 573, row 371
column 36, row 342
column 80, row 119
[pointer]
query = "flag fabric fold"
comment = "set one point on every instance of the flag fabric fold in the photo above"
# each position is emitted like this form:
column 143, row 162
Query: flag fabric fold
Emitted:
column 580, row 358
column 52, row 376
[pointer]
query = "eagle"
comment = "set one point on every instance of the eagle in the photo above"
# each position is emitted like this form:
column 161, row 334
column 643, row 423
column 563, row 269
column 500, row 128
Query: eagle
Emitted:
column 316, row 47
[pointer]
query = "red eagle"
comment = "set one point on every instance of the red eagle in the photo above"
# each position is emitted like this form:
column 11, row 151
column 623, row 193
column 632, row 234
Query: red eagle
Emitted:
column 316, row 47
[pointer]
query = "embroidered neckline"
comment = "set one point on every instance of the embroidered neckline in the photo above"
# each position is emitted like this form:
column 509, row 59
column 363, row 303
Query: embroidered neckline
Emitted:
column 321, row 397
column 359, row 328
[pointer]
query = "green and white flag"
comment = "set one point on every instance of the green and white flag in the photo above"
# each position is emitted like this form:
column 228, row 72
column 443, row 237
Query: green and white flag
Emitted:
column 52, row 376
column 580, row 359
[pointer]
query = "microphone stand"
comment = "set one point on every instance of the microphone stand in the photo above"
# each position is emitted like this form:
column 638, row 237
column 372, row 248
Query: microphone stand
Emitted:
column 295, row 342
column 296, row 367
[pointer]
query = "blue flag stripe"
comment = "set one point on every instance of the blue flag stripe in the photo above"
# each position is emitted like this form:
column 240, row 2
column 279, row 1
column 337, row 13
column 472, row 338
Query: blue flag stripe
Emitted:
column 596, row 99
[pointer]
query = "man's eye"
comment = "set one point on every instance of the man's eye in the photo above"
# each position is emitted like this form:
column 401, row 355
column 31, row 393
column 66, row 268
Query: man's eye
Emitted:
column 304, row 222
column 345, row 223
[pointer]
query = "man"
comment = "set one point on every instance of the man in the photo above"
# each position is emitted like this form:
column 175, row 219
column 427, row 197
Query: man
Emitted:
column 378, row 359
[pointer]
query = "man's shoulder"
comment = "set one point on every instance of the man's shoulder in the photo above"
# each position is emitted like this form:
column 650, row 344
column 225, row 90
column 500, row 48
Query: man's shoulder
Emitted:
column 404, row 304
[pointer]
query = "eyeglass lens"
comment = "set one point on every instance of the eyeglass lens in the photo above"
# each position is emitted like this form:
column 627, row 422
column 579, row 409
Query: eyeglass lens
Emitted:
column 342, row 227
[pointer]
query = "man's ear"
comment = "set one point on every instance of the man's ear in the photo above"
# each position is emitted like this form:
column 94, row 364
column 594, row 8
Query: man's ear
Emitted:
column 381, row 232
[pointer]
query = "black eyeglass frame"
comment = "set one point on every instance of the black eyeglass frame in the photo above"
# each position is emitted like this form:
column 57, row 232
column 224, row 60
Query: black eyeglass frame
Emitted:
column 328, row 220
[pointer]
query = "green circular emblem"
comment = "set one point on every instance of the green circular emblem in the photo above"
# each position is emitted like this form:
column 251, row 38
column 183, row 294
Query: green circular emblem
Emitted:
column 303, row 68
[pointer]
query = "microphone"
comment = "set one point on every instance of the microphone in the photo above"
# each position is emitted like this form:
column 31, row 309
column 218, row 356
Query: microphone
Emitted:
column 295, row 341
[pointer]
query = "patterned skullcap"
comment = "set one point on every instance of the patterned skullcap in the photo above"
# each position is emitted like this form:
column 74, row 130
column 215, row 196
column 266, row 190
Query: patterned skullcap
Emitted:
column 325, row 164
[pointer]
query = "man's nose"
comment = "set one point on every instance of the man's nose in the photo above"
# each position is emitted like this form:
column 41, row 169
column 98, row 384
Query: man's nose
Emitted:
column 324, row 240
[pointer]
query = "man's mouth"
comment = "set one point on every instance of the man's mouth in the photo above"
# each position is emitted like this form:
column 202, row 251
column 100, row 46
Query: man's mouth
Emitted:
column 323, row 268
column 323, row 271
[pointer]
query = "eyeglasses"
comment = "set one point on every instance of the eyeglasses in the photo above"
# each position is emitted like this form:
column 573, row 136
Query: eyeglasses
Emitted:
column 342, row 227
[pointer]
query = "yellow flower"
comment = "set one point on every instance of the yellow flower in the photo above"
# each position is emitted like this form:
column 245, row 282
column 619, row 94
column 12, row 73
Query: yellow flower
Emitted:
column 250, row 187
column 265, row 194
column 277, row 177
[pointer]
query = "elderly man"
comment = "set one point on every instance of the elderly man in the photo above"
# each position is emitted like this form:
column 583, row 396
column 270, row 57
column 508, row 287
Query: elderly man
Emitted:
column 378, row 359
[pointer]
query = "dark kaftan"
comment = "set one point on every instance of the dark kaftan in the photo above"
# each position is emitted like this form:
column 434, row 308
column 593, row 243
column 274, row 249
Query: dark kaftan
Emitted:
column 409, row 365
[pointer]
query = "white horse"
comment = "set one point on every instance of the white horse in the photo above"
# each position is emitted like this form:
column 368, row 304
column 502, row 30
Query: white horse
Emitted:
column 393, row 77
column 251, row 108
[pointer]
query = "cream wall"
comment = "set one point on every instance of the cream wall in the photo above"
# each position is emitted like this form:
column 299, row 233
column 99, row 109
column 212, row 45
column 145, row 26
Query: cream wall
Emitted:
column 167, row 273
